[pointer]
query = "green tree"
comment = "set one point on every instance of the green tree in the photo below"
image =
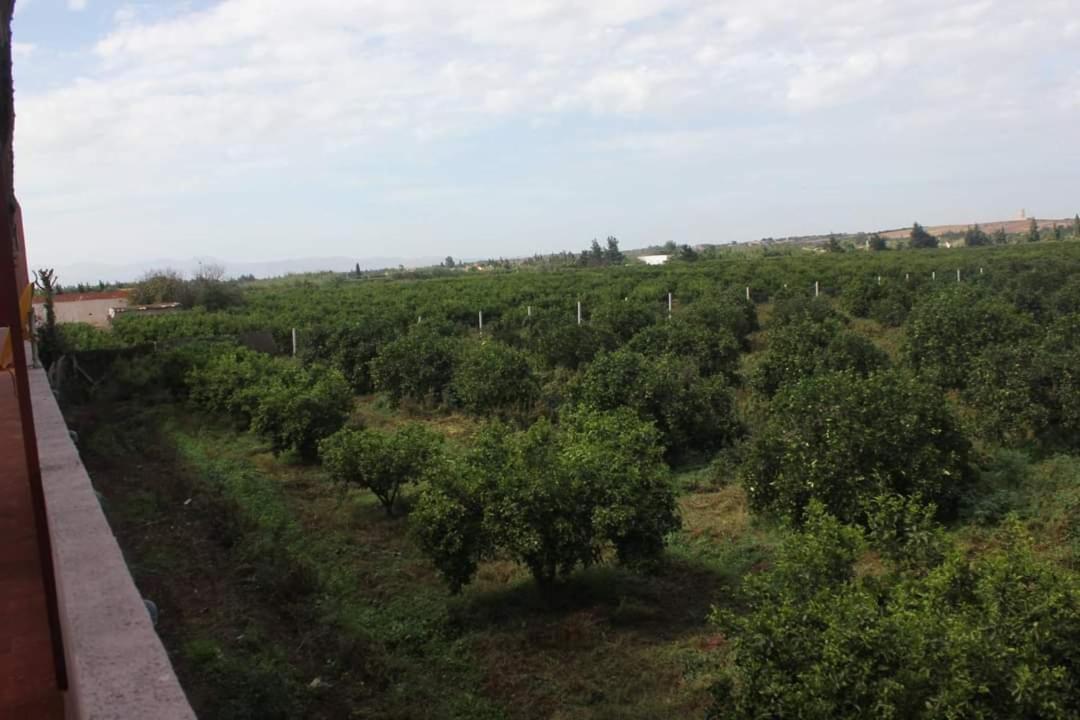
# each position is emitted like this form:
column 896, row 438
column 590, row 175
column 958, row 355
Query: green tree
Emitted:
column 947, row 330
column 716, row 351
column 801, row 349
column 553, row 498
column 975, row 237
column 382, row 462
column 49, row 340
column 231, row 381
column 691, row 412
column 1000, row 237
column 993, row 636
column 920, row 238
column 613, row 256
column 877, row 243
column 622, row 319
column 1076, row 226
column 843, row 439
column 298, row 409
column 418, row 365
column 1056, row 382
column 688, row 254
column 491, row 377
column 596, row 253
column 834, row 245
column 1033, row 231
column 161, row 286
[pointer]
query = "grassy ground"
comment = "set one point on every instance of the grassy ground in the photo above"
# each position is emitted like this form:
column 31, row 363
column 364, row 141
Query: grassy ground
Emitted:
column 282, row 596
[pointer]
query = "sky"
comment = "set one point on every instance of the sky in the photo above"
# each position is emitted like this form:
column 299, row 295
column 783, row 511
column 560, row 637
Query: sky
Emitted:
column 270, row 129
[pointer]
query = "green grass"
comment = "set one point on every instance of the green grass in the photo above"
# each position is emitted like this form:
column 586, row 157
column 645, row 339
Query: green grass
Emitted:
column 308, row 583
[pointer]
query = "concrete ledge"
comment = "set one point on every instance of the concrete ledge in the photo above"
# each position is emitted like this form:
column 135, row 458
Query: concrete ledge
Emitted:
column 117, row 666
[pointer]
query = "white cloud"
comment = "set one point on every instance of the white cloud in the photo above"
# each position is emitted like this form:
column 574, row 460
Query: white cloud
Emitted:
column 201, row 99
column 76, row 5
column 21, row 51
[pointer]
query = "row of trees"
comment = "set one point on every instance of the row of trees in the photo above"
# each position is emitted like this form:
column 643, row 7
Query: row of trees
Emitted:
column 861, row 451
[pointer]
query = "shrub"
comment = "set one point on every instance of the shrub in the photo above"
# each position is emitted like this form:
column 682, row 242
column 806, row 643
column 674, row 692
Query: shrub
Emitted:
column 382, row 462
column 232, row 380
column 1057, row 381
column 622, row 319
column 716, row 351
column 947, row 330
column 739, row 317
column 491, row 377
column 553, row 498
column 690, row 411
column 999, row 386
column 562, row 343
column 418, row 366
column 348, row 347
column 299, row 408
column 804, row 348
column 843, row 439
column 995, row 636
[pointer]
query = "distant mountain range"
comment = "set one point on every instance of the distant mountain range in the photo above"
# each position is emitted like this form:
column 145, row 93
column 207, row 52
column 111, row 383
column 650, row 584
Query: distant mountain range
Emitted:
column 90, row 272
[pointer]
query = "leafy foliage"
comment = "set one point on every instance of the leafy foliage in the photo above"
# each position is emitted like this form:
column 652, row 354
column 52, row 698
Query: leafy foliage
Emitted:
column 844, row 439
column 299, row 408
column 804, row 348
column 689, row 410
column 382, row 462
column 492, row 377
column 553, row 498
column 418, row 365
column 963, row 638
column 920, row 238
column 949, row 328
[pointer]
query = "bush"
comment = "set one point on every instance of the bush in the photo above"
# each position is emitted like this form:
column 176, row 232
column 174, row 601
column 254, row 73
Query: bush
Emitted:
column 739, row 317
column 999, row 386
column 562, row 343
column 716, row 351
column 622, row 319
column 1057, row 381
column 491, row 377
column 804, row 348
column 997, row 636
column 843, row 439
column 380, row 462
column 418, row 366
column 552, row 498
column 1030, row 388
column 232, row 380
column 349, row 347
column 690, row 411
column 298, row 409
column 946, row 331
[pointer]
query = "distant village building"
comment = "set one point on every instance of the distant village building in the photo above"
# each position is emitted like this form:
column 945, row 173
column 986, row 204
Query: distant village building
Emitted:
column 155, row 309
column 93, row 308
column 653, row 259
